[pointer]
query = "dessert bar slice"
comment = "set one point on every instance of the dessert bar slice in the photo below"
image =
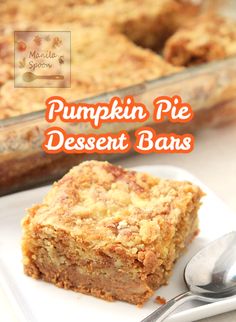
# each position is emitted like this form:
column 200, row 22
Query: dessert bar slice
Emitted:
column 110, row 232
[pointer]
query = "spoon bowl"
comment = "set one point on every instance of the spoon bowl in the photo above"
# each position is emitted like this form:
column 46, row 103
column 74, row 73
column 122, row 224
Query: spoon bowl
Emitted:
column 29, row 77
column 212, row 271
column 210, row 276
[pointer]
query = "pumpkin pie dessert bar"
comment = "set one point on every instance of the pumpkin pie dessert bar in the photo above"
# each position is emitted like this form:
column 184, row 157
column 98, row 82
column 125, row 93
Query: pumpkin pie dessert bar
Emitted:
column 110, row 232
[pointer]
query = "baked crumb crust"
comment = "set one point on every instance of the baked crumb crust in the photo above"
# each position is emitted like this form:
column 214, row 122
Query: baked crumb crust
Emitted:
column 101, row 222
column 106, row 38
column 206, row 38
column 101, row 60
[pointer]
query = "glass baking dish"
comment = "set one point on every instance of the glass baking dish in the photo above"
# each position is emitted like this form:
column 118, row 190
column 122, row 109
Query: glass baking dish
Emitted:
column 209, row 88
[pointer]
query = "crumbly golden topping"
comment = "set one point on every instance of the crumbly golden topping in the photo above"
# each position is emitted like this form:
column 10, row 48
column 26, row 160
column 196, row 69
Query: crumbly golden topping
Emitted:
column 105, row 12
column 205, row 39
column 103, row 58
column 100, row 203
column 101, row 61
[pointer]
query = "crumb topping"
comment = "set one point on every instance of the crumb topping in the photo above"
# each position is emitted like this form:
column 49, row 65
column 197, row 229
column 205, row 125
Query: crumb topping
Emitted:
column 160, row 300
column 105, row 45
column 205, row 39
column 105, row 204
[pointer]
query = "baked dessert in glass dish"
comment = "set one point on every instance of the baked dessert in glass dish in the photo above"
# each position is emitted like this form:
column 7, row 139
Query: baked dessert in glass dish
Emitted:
column 113, row 45
column 98, row 55
column 117, row 49
column 110, row 232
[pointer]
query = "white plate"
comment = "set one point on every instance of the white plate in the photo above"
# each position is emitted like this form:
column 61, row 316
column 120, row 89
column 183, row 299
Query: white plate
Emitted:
column 37, row 301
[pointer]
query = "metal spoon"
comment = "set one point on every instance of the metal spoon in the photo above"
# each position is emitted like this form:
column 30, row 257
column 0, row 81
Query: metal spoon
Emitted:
column 210, row 276
column 29, row 77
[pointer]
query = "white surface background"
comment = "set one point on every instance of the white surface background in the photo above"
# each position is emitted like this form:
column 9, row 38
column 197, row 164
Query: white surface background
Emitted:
column 213, row 161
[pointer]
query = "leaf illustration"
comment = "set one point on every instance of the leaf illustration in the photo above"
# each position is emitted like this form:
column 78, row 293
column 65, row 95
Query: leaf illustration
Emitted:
column 22, row 63
column 61, row 60
column 47, row 38
column 38, row 40
column 56, row 42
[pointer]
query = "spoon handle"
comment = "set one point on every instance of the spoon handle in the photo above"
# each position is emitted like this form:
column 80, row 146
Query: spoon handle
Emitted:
column 51, row 77
column 162, row 312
